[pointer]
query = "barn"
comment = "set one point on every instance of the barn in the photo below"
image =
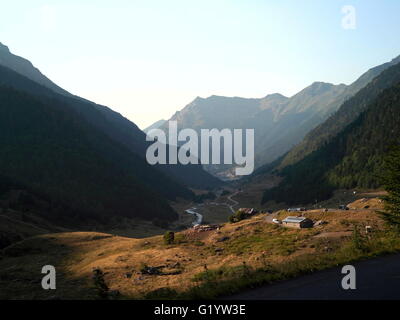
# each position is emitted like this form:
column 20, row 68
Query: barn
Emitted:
column 297, row 222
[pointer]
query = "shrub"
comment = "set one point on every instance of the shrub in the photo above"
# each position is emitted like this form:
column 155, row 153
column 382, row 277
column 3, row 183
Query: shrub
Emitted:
column 100, row 284
column 238, row 216
column 169, row 237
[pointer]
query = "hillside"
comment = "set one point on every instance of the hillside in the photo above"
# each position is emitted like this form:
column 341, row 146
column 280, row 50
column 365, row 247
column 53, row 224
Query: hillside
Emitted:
column 352, row 102
column 111, row 123
column 50, row 149
column 25, row 67
column 353, row 158
column 280, row 123
column 294, row 119
column 199, row 264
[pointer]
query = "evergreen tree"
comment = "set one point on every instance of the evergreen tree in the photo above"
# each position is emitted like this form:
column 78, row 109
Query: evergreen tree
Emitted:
column 391, row 182
column 169, row 237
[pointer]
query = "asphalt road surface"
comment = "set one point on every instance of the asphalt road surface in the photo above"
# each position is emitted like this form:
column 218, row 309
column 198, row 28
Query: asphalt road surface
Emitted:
column 376, row 279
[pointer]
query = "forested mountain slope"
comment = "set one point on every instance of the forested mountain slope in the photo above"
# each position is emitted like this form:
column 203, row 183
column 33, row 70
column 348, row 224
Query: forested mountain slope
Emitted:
column 353, row 158
column 103, row 118
column 280, row 122
column 355, row 99
column 48, row 148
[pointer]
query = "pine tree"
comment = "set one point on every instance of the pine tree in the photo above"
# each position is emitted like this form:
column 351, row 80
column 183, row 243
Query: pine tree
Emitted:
column 391, row 182
column 169, row 237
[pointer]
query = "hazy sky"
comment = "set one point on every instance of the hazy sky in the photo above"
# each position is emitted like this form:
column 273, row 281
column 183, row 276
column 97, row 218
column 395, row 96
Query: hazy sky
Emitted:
column 147, row 59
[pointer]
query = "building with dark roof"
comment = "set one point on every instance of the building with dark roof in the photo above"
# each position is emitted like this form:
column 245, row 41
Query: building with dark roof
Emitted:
column 297, row 222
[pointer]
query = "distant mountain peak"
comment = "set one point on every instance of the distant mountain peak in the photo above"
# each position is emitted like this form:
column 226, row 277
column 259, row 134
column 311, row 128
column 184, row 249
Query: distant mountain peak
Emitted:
column 320, row 84
column 316, row 88
column 275, row 96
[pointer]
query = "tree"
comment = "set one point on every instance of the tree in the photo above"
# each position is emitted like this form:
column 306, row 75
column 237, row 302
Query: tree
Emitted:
column 169, row 237
column 391, row 182
column 238, row 216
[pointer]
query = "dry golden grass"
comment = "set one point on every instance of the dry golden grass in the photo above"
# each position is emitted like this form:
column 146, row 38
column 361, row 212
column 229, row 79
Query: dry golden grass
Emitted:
column 254, row 242
column 367, row 203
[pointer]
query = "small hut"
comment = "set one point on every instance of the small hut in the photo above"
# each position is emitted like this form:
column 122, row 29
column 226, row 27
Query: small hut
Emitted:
column 297, row 222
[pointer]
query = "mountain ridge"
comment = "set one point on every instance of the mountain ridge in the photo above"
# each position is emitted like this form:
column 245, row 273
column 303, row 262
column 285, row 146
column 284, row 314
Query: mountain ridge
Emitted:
column 360, row 133
column 280, row 122
column 25, row 67
column 270, row 117
column 104, row 118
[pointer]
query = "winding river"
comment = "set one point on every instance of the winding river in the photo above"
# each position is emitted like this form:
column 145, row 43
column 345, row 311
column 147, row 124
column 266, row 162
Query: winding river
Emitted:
column 198, row 217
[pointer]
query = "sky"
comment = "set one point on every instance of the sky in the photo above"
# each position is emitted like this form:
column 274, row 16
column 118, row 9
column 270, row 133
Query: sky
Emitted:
column 147, row 59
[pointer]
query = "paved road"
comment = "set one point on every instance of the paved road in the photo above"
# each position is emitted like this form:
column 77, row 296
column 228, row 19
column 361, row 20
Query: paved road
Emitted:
column 235, row 203
column 376, row 279
column 199, row 217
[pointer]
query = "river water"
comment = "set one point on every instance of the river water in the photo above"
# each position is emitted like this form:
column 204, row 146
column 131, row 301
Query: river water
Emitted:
column 198, row 217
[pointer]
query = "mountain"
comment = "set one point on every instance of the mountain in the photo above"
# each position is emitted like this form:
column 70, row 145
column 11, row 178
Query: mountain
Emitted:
column 215, row 112
column 67, row 162
column 285, row 126
column 351, row 154
column 48, row 148
column 279, row 122
column 155, row 125
column 25, row 67
column 111, row 123
column 326, row 130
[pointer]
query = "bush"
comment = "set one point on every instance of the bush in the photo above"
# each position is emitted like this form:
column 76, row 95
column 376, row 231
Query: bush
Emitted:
column 238, row 216
column 100, row 284
column 169, row 237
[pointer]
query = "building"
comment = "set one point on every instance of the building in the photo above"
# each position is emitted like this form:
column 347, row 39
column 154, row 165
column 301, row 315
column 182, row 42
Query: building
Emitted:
column 248, row 211
column 297, row 222
column 296, row 209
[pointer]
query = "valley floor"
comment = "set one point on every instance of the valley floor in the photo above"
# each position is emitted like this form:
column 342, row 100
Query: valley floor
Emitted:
column 199, row 264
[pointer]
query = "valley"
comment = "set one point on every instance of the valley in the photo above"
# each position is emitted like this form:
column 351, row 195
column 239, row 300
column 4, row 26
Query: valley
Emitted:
column 78, row 192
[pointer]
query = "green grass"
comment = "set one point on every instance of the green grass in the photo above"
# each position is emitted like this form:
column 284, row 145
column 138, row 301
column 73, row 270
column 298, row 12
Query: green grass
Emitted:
column 274, row 240
column 210, row 284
